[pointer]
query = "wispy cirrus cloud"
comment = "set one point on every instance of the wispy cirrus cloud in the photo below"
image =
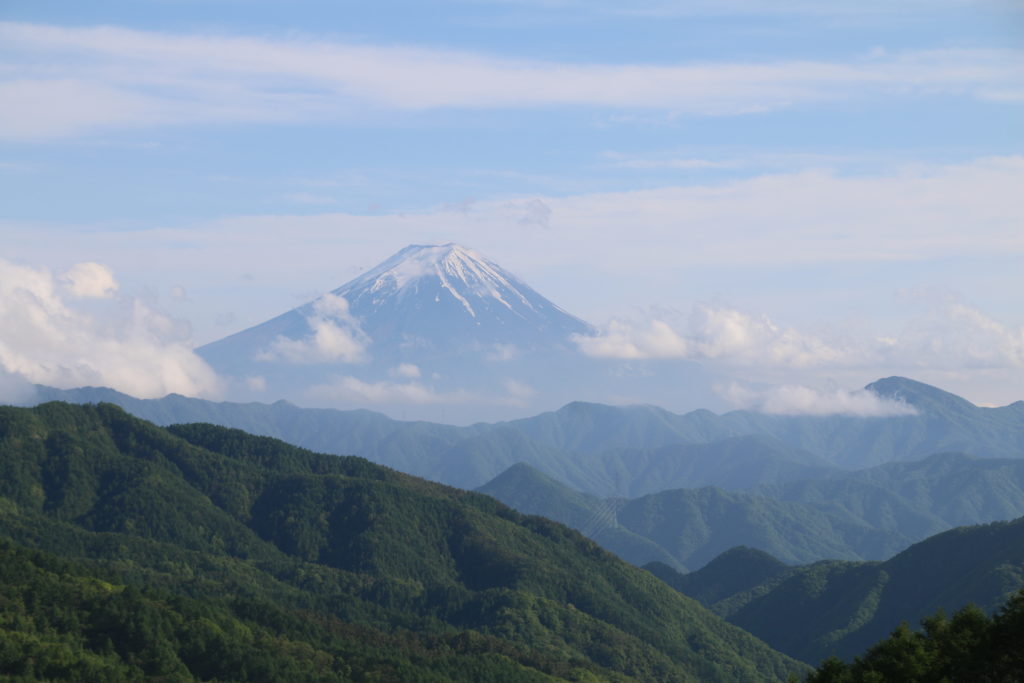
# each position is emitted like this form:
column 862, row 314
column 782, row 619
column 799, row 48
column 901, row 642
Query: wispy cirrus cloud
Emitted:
column 69, row 80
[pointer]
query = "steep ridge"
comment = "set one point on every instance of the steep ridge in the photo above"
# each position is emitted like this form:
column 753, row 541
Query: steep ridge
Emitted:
column 400, row 564
column 529, row 491
column 841, row 608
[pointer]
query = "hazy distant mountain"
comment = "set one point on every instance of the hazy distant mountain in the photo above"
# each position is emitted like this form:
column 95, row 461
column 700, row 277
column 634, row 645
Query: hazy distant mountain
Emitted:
column 531, row 492
column 692, row 526
column 438, row 332
column 843, row 607
column 863, row 515
column 425, row 301
column 944, row 422
column 919, row 498
column 619, row 451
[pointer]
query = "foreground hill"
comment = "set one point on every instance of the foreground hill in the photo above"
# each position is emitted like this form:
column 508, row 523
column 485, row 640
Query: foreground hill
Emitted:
column 344, row 568
column 841, row 608
column 968, row 647
column 621, row 451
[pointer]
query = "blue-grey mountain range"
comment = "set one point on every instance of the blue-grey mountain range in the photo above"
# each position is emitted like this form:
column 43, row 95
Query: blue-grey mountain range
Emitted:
column 624, row 451
column 654, row 485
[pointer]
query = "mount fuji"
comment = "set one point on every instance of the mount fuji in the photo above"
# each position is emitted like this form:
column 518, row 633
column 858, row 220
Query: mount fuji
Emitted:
column 434, row 326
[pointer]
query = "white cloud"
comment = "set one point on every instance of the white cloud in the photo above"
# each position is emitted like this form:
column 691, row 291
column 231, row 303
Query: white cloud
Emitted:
column 518, row 390
column 957, row 337
column 353, row 390
column 915, row 213
column 502, row 353
column 406, row 370
column 618, row 244
column 802, row 400
column 256, row 383
column 46, row 339
column 335, row 336
column 622, row 339
column 90, row 280
column 960, row 337
column 116, row 77
column 348, row 389
column 717, row 334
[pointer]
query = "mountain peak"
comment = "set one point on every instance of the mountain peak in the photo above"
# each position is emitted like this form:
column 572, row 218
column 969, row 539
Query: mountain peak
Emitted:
column 431, row 324
column 462, row 274
column 442, row 293
column 919, row 395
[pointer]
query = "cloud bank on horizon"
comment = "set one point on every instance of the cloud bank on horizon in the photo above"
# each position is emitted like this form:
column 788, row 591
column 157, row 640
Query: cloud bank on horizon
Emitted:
column 56, row 333
column 794, row 195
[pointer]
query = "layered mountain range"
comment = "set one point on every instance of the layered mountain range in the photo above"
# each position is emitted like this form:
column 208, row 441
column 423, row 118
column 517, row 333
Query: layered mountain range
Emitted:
column 619, row 450
column 653, row 485
column 862, row 515
column 404, row 578
column 134, row 552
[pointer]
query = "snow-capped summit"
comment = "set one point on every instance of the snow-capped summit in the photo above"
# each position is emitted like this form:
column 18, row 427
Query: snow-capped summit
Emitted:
column 436, row 332
column 458, row 270
column 449, row 296
column 426, row 299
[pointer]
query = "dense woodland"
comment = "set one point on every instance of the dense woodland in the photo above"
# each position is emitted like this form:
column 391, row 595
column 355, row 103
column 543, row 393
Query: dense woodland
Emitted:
column 970, row 647
column 199, row 552
column 134, row 552
column 842, row 608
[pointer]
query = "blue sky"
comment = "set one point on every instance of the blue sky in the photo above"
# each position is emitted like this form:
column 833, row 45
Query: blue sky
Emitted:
column 846, row 175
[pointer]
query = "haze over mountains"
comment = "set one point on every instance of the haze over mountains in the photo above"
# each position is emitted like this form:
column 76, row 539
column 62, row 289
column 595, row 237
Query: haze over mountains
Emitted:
column 620, row 450
column 441, row 327
column 653, row 485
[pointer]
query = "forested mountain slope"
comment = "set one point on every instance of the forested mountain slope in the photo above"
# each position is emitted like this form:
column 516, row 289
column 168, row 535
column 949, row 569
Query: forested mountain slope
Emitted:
column 841, row 608
column 365, row 567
